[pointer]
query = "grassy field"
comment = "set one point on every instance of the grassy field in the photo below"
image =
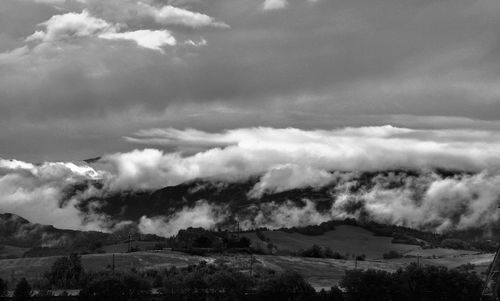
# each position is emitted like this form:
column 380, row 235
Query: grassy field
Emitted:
column 123, row 247
column 344, row 239
column 11, row 251
column 320, row 272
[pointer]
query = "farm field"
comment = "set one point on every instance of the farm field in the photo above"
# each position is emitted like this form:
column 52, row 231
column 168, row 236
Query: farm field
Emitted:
column 7, row 251
column 344, row 239
column 123, row 247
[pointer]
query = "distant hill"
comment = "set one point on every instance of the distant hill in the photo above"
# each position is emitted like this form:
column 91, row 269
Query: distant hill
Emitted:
column 239, row 204
column 43, row 240
column 132, row 205
column 19, row 232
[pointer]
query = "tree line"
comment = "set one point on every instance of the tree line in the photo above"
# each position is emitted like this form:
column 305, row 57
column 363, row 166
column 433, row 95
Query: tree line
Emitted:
column 221, row 282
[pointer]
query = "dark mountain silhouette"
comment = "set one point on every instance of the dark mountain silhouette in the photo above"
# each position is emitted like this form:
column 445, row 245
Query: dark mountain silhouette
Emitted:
column 131, row 205
column 17, row 231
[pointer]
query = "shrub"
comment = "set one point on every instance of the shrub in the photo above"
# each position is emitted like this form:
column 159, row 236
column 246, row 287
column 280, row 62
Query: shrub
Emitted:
column 288, row 283
column 412, row 283
column 392, row 255
column 106, row 286
column 314, row 251
column 361, row 257
column 454, row 243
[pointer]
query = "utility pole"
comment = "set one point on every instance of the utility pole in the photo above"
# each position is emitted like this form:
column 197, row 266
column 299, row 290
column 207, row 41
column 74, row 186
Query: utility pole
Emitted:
column 129, row 242
column 238, row 229
column 490, row 286
column 252, row 259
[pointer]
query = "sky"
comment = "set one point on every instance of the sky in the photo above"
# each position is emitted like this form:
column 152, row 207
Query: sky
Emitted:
column 84, row 78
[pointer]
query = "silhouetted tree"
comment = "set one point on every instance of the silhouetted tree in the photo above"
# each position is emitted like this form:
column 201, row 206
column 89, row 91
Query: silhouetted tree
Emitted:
column 414, row 283
column 282, row 286
column 66, row 272
column 3, row 287
column 314, row 251
column 23, row 290
column 106, row 286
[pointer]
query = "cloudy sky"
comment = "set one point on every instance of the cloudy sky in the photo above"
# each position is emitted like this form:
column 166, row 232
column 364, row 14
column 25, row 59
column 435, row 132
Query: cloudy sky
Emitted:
column 81, row 78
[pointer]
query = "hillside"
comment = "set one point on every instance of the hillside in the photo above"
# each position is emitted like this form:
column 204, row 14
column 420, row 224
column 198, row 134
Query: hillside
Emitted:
column 19, row 237
column 348, row 195
column 344, row 239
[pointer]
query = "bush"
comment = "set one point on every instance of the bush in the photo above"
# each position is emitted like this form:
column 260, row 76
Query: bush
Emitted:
column 392, row 255
column 203, row 279
column 315, row 251
column 454, row 243
column 105, row 286
column 361, row 257
column 412, row 283
column 288, row 283
column 334, row 255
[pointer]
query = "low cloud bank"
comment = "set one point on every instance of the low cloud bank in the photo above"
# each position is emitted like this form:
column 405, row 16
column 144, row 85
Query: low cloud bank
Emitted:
column 201, row 215
column 426, row 201
column 278, row 152
column 39, row 194
column 283, row 159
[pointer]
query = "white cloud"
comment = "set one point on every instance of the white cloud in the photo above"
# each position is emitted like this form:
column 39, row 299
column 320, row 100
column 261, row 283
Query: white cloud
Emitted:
column 152, row 39
column 70, row 25
column 255, row 151
column 274, row 4
column 284, row 159
column 171, row 15
column 201, row 215
column 78, row 25
column 290, row 176
column 37, row 192
column 432, row 202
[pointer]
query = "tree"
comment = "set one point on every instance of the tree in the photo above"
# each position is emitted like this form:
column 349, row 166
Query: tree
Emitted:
column 391, row 255
column 104, row 287
column 135, row 286
column 3, row 287
column 23, row 290
column 230, row 282
column 370, row 285
column 314, row 251
column 414, row 283
column 283, row 286
column 66, row 272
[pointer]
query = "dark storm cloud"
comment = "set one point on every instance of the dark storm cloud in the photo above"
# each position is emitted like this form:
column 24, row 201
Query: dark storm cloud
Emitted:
column 308, row 64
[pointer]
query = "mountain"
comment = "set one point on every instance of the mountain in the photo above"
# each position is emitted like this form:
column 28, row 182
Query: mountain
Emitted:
column 348, row 192
column 19, row 232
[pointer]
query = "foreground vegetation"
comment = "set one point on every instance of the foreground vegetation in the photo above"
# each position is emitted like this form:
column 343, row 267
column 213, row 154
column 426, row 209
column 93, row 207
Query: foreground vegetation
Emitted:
column 222, row 282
